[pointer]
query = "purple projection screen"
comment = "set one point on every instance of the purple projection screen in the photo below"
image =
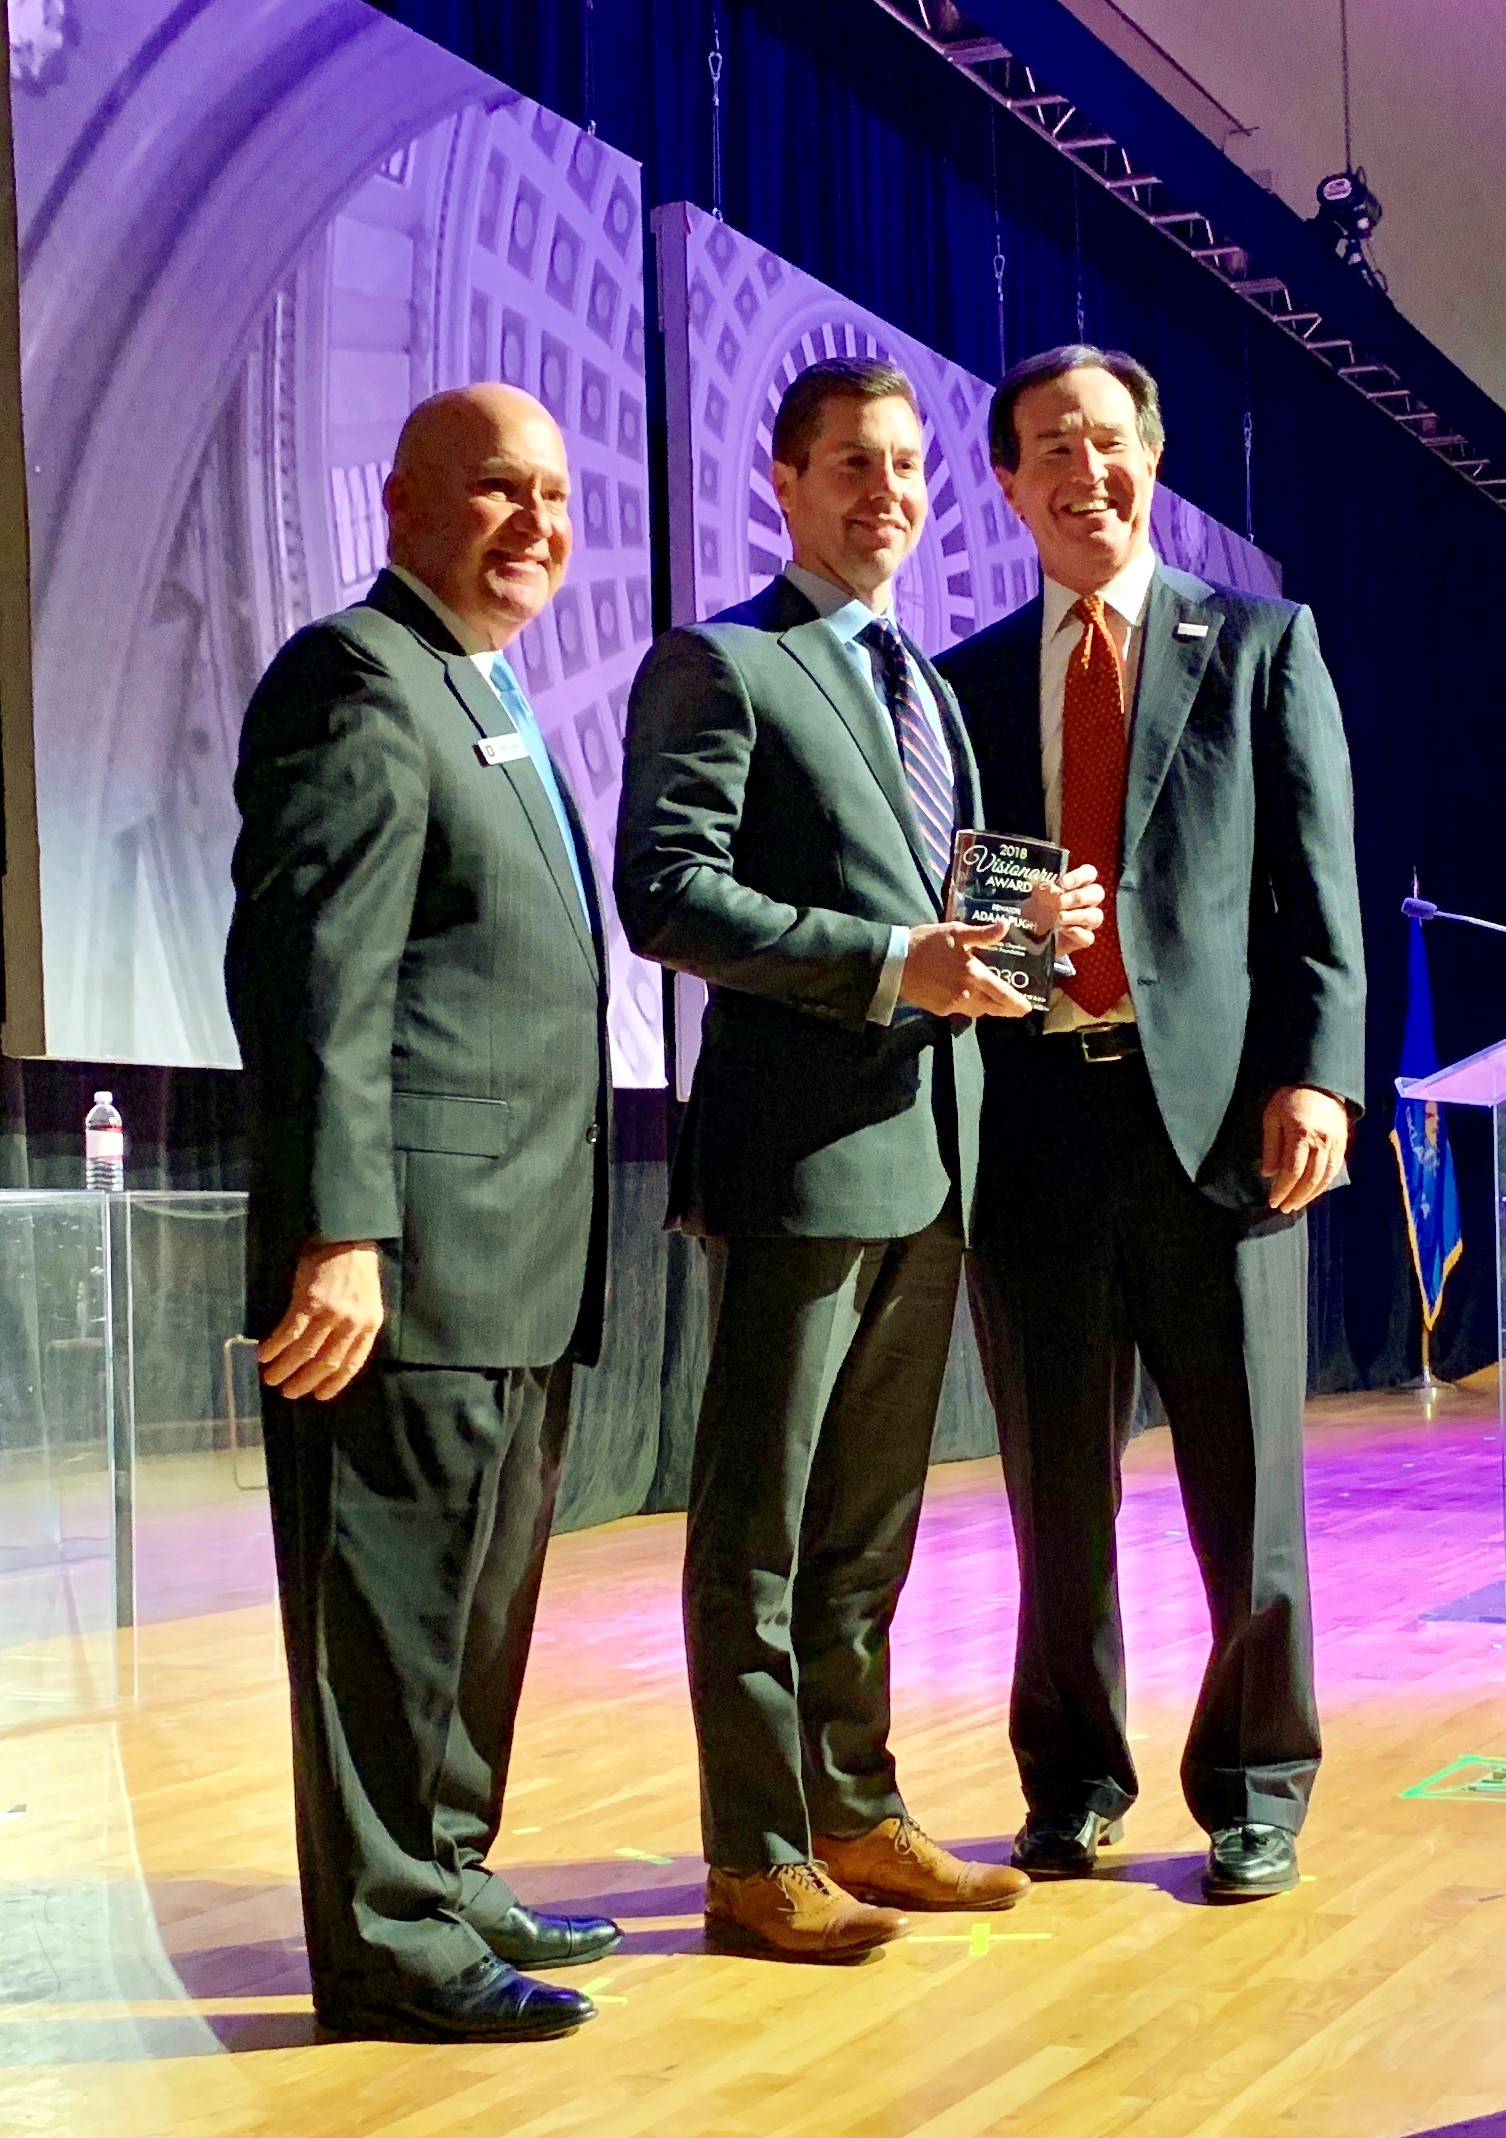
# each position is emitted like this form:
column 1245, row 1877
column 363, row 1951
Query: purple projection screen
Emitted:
column 739, row 323
column 251, row 238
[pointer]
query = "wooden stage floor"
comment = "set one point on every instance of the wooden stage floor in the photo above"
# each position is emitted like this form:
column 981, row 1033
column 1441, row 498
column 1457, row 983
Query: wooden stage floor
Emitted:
column 152, row 1978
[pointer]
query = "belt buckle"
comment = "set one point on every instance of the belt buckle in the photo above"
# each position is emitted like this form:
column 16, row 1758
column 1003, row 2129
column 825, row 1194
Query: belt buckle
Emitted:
column 1101, row 1043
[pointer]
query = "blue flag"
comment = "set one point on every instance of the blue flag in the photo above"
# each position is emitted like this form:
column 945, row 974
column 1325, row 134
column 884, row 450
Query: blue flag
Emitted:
column 1429, row 1194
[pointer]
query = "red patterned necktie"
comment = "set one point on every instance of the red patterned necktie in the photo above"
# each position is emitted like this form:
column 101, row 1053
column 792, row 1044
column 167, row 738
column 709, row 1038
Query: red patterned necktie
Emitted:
column 1095, row 752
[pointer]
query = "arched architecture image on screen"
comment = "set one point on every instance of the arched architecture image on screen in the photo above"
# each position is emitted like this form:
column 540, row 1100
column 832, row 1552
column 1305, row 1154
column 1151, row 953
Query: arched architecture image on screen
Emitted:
column 250, row 241
column 739, row 324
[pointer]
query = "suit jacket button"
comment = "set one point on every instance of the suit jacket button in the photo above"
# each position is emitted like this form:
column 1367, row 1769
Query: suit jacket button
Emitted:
column 592, row 1133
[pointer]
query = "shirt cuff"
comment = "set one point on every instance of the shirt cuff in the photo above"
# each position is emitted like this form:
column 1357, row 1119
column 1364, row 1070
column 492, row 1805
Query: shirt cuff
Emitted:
column 886, row 995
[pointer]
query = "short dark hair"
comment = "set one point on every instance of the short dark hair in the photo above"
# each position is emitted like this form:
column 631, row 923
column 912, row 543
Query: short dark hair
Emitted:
column 837, row 378
column 1003, row 438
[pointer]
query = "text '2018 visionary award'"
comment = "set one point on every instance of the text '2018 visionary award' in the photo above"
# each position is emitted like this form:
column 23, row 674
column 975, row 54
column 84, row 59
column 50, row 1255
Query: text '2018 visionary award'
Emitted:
column 993, row 877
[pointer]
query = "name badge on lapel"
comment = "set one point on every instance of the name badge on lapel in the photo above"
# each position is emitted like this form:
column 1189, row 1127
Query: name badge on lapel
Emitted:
column 1192, row 631
column 501, row 749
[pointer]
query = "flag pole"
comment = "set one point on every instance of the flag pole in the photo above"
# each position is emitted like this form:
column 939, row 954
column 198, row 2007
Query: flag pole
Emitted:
column 1433, row 1255
column 1427, row 1384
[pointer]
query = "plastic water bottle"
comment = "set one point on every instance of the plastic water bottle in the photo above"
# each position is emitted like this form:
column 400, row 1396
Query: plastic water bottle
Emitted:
column 104, row 1145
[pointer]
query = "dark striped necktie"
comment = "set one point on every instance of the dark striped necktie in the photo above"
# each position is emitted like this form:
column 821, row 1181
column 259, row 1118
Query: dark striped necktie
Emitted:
column 928, row 766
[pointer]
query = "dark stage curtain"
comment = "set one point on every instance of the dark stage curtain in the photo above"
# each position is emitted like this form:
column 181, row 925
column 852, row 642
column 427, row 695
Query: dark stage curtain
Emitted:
column 866, row 160
column 852, row 151
column 184, row 1127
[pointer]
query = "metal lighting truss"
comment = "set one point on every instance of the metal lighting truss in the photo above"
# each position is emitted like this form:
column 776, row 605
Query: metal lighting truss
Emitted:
column 1056, row 120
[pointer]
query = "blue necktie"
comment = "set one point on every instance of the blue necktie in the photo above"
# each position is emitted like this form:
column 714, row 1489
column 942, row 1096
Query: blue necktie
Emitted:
column 510, row 691
column 928, row 768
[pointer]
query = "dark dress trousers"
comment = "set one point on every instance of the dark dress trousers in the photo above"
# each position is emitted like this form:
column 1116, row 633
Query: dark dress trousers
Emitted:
column 420, row 1003
column 767, row 843
column 1120, row 1205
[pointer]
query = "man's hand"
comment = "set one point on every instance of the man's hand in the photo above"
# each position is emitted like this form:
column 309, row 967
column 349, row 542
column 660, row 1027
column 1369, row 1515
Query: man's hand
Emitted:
column 1074, row 907
column 325, row 1337
column 1304, row 1137
column 944, row 975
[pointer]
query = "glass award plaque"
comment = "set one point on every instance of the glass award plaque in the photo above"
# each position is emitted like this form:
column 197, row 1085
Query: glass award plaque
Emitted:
column 993, row 877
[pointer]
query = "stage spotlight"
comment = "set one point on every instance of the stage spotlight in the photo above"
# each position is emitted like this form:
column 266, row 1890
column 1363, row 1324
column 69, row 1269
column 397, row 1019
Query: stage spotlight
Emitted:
column 1347, row 215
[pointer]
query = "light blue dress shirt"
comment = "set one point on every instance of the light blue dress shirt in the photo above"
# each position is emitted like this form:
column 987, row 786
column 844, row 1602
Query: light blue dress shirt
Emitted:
column 845, row 616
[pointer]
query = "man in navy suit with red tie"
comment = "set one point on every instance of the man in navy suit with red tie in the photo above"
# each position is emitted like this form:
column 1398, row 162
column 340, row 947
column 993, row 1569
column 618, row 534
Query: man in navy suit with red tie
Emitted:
column 1150, row 1144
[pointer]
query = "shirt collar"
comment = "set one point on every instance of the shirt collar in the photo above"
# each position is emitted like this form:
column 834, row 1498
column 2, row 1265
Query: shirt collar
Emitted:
column 468, row 640
column 837, row 605
column 1126, row 593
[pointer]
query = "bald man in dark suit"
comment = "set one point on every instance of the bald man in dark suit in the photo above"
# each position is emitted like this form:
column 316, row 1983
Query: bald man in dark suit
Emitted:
column 418, row 981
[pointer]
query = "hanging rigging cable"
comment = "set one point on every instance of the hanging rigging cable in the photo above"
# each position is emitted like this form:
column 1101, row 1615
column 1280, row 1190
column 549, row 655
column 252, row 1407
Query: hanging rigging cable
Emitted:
column 590, row 60
column 714, row 65
column 1248, row 428
column 1347, row 209
column 1082, row 306
column 999, row 260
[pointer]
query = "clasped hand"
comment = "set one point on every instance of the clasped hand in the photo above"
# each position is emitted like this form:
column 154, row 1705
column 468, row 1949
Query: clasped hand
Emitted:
column 945, row 975
column 325, row 1337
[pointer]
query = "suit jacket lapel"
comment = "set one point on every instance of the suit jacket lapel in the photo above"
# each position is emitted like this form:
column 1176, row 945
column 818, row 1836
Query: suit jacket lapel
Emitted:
column 490, row 716
column 818, row 653
column 588, row 876
column 1171, row 668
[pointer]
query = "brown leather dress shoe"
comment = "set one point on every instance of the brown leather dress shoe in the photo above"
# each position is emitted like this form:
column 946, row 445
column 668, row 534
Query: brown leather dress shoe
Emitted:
column 793, row 1912
column 897, row 1865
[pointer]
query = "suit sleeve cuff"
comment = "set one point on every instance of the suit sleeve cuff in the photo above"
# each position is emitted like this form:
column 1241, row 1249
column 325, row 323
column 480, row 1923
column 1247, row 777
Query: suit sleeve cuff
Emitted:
column 886, row 995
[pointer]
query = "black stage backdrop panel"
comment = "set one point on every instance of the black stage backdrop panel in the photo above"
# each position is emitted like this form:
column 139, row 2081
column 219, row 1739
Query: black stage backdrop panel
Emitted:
column 852, row 151
column 889, row 199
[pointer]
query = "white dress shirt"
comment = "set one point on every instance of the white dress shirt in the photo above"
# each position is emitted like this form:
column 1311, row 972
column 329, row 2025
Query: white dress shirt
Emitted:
column 845, row 616
column 1124, row 598
column 468, row 640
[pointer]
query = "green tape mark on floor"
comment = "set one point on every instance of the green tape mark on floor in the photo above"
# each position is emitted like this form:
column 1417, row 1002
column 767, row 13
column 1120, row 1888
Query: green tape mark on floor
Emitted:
column 1478, row 1777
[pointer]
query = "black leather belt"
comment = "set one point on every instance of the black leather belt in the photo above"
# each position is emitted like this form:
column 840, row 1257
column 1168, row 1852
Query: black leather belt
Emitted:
column 1100, row 1042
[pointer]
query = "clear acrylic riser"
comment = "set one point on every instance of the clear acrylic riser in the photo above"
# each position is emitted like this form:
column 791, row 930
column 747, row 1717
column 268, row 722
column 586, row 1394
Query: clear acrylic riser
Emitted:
column 1480, row 1080
column 131, row 1474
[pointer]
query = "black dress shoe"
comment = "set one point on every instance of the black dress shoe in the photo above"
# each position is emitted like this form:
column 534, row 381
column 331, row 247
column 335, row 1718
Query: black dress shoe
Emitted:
column 1064, row 1847
column 1247, row 1862
column 529, row 1940
column 487, row 2001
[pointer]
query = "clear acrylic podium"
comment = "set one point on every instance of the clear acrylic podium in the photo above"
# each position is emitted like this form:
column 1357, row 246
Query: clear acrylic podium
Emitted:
column 1480, row 1080
column 130, row 1434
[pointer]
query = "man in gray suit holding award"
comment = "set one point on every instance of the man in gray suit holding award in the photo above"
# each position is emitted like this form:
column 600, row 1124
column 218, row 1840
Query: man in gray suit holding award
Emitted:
column 795, row 770
column 418, row 982
column 1147, row 1155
